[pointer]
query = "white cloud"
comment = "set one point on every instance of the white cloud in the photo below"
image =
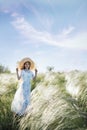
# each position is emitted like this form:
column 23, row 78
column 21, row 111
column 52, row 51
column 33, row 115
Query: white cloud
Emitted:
column 63, row 39
column 6, row 11
column 68, row 30
column 14, row 14
column 35, row 11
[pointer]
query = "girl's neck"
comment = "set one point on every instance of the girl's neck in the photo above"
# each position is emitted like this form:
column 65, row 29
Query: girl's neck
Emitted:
column 26, row 69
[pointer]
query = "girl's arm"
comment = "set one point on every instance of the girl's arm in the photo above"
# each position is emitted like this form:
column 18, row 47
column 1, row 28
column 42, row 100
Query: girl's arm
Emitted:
column 35, row 74
column 18, row 77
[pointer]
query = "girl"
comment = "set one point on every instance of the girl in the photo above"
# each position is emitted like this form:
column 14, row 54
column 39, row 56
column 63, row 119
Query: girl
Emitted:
column 22, row 96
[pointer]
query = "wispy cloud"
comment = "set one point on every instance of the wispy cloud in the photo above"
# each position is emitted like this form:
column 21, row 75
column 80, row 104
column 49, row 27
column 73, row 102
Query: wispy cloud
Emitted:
column 9, row 6
column 79, row 40
column 68, row 30
column 15, row 14
column 81, row 9
column 37, row 13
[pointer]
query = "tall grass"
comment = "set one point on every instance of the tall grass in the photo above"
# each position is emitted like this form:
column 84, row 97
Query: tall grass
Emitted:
column 9, row 83
column 6, row 116
column 8, row 87
column 53, row 108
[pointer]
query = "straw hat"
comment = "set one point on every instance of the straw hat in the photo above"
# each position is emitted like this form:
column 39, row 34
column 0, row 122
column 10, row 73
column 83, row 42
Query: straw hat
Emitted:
column 21, row 63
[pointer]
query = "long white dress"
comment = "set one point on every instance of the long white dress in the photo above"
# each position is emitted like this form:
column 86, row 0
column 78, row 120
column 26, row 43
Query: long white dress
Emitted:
column 22, row 96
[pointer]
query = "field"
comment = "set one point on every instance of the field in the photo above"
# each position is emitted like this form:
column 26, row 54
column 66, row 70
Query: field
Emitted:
column 58, row 102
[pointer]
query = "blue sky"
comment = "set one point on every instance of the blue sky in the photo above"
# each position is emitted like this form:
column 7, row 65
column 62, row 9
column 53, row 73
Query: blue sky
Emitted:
column 51, row 32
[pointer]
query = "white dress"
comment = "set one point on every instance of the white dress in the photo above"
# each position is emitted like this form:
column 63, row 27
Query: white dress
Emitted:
column 22, row 96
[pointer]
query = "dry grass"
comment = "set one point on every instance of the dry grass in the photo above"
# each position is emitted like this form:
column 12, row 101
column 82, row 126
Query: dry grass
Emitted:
column 53, row 106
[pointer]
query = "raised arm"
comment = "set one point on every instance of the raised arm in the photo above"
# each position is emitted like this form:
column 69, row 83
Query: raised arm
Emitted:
column 18, row 77
column 35, row 74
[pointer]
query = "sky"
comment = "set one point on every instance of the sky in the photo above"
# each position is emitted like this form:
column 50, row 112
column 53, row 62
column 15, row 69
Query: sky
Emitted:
column 50, row 32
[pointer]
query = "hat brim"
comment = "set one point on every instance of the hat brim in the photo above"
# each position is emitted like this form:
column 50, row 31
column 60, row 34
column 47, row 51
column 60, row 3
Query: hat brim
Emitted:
column 21, row 63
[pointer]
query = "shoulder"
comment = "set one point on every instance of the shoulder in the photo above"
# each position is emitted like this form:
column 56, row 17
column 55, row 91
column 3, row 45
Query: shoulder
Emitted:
column 21, row 72
column 30, row 71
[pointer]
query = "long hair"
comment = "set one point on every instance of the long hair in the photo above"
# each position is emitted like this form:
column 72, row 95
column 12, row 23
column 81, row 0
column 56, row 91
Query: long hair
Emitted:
column 25, row 63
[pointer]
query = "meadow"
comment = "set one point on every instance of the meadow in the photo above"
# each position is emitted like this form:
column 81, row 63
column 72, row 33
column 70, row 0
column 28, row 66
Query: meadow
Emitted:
column 58, row 102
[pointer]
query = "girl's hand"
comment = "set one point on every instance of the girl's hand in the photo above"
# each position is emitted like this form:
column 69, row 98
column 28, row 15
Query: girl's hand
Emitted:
column 36, row 70
column 35, row 74
column 16, row 69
